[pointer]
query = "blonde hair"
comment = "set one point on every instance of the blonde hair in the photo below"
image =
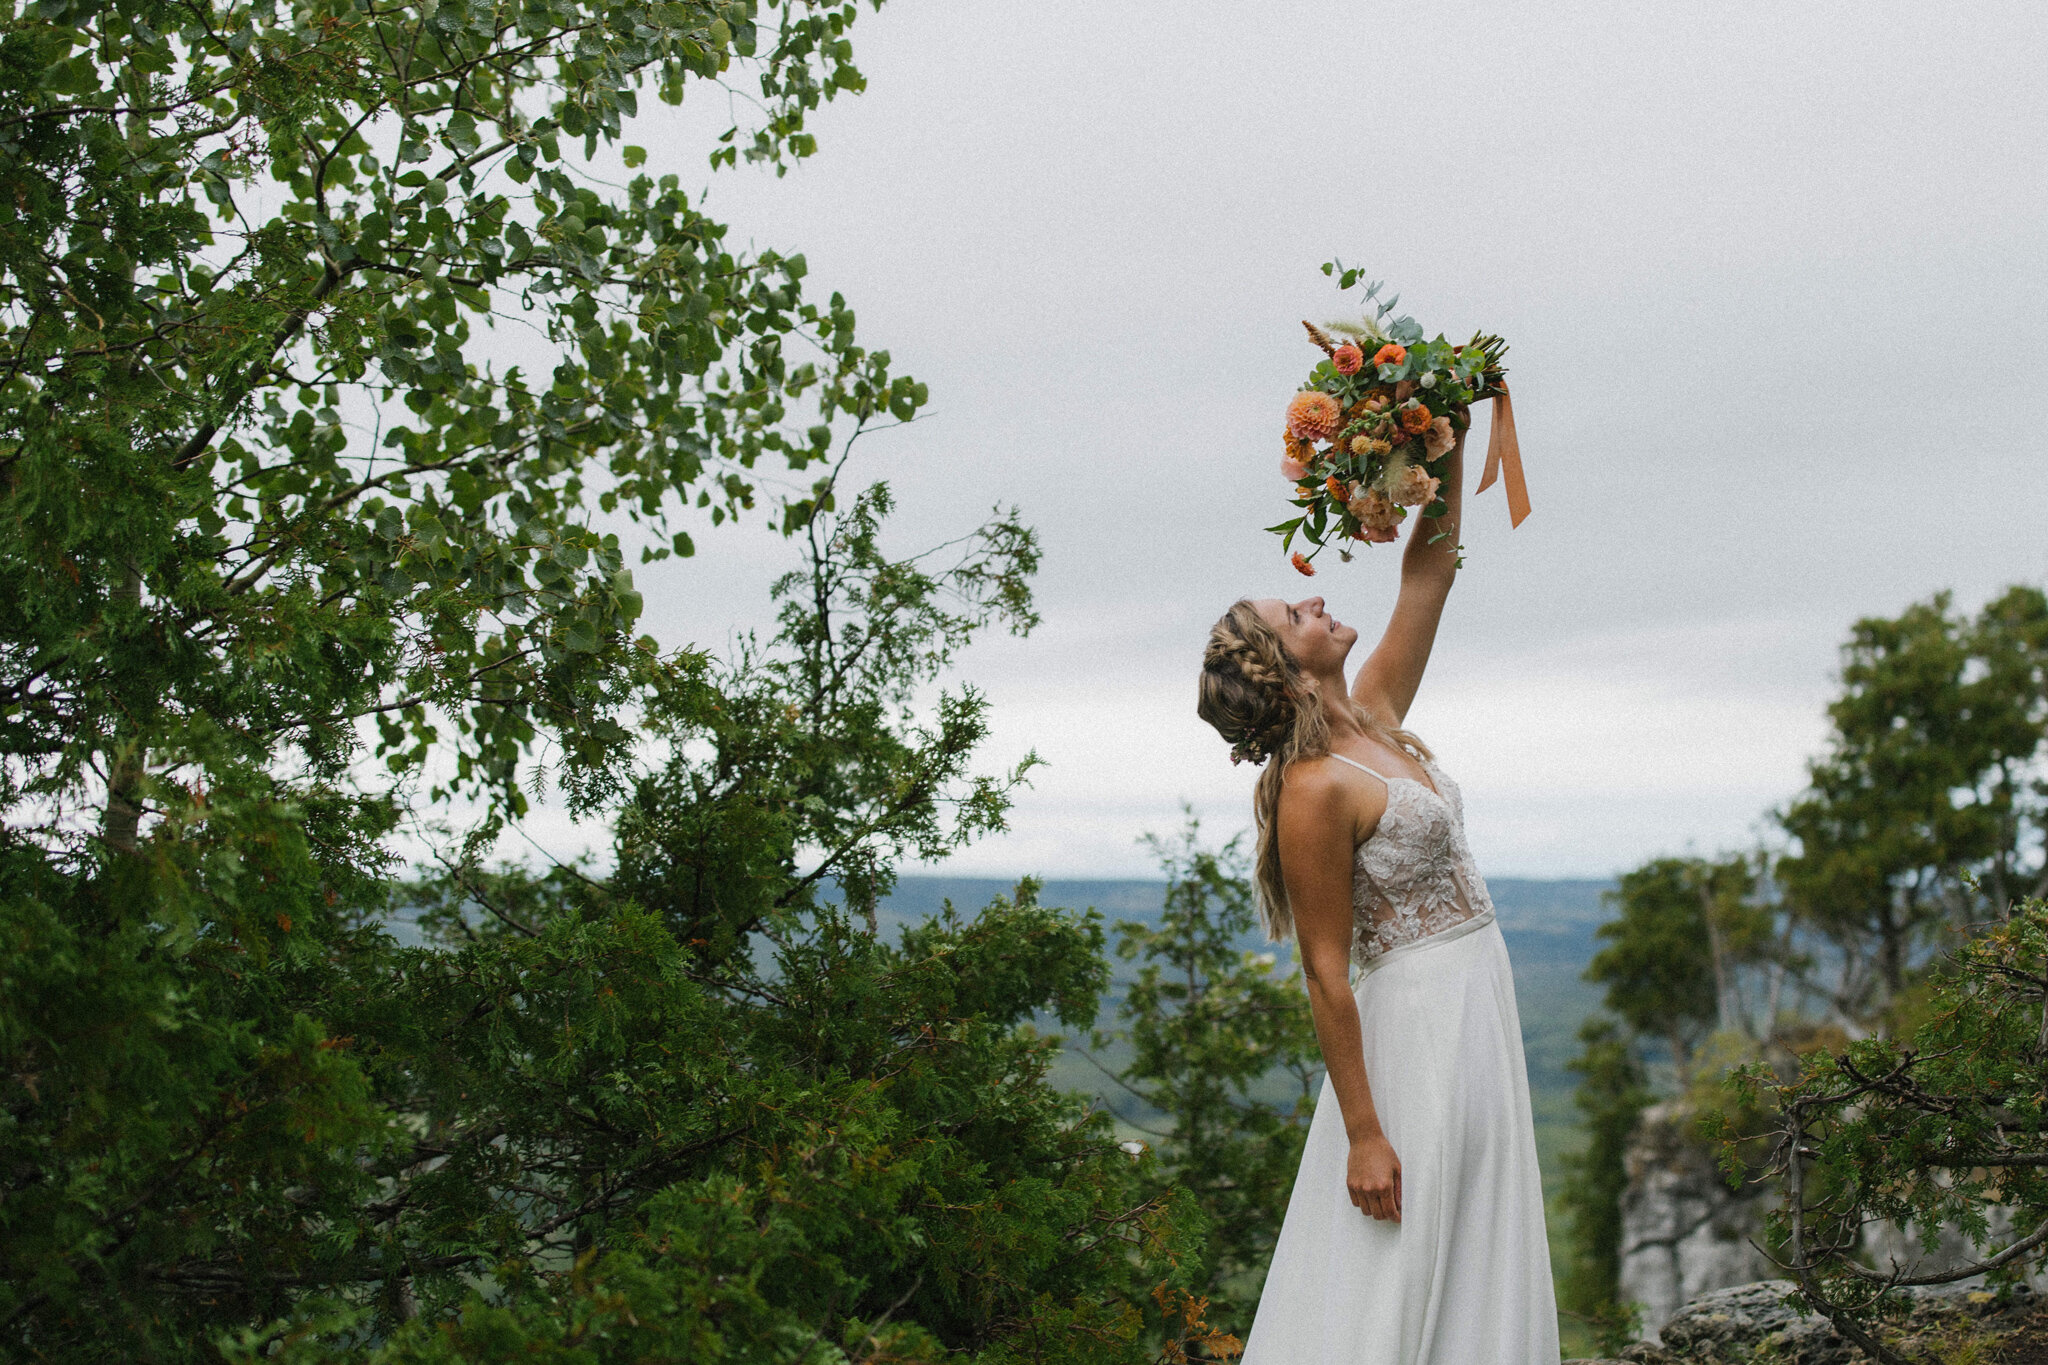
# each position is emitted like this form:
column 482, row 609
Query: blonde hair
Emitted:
column 1257, row 697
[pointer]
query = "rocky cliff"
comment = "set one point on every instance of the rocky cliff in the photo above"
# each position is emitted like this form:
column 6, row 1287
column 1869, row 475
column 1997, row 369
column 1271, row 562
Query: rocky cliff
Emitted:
column 1683, row 1231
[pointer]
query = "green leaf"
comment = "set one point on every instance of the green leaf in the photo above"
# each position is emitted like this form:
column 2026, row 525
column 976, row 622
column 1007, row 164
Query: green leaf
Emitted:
column 460, row 132
column 630, row 601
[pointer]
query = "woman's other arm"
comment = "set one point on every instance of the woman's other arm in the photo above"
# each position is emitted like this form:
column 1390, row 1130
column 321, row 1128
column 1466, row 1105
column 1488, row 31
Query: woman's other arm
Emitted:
column 1386, row 683
column 1319, row 816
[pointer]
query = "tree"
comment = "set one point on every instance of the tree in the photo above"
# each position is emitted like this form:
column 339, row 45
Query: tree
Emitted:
column 272, row 467
column 1933, row 1132
column 1212, row 1028
column 1921, row 822
column 1929, row 789
column 1612, row 1094
column 695, row 1107
column 1684, row 925
column 824, row 732
column 1684, row 932
column 298, row 541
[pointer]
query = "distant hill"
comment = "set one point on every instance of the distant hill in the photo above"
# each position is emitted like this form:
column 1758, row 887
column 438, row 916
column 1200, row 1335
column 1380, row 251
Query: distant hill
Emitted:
column 1546, row 921
column 1548, row 924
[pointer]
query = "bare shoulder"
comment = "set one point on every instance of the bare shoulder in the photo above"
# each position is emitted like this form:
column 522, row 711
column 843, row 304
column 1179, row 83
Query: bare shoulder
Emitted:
column 1325, row 795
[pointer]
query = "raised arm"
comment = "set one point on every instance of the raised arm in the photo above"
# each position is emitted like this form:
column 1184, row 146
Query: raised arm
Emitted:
column 1319, row 815
column 1386, row 682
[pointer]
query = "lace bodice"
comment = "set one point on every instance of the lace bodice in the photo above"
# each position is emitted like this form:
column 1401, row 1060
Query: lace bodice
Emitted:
column 1415, row 876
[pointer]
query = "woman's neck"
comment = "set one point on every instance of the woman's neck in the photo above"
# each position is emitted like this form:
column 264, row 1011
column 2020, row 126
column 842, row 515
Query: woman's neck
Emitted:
column 1338, row 713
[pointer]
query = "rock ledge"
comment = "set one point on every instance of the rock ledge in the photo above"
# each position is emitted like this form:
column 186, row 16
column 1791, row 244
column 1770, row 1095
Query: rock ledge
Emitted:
column 1752, row 1325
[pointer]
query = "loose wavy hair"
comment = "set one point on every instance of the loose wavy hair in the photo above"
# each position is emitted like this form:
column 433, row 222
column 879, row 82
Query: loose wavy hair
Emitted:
column 1255, row 694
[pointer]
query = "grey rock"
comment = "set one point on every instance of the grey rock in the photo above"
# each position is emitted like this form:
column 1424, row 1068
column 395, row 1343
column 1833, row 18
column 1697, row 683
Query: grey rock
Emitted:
column 1683, row 1231
column 1752, row 1324
column 1743, row 1322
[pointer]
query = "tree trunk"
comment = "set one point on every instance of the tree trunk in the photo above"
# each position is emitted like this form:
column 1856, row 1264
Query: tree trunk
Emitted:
column 1722, row 1007
column 1891, row 954
column 1681, row 1058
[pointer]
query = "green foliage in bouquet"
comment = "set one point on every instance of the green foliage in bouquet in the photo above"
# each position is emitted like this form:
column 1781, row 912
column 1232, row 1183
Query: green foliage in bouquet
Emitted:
column 1946, row 1129
column 1369, row 430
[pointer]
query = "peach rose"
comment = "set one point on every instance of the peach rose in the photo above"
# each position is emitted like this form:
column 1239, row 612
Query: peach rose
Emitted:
column 1293, row 469
column 1412, row 486
column 1347, row 358
column 1312, row 416
column 1375, row 511
column 1439, row 438
column 1379, row 535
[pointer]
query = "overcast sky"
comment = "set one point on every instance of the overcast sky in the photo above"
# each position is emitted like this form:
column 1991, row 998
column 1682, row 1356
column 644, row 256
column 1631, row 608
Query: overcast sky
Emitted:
column 1773, row 277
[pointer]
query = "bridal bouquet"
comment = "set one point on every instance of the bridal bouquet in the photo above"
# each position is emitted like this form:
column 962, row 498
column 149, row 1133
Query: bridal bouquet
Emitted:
column 1369, row 431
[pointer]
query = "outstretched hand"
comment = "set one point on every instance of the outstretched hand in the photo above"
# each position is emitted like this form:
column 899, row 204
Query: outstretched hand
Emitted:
column 1373, row 1177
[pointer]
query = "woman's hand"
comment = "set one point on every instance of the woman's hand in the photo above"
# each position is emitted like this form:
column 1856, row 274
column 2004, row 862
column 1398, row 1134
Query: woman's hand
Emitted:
column 1373, row 1177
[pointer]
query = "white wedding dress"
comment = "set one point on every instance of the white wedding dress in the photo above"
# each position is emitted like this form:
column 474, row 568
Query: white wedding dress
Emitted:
column 1464, row 1278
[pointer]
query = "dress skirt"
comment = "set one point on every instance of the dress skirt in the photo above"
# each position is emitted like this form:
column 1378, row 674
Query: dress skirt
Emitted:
column 1464, row 1278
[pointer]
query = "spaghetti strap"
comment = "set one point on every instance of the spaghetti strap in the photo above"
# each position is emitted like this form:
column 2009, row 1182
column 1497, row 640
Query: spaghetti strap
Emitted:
column 1360, row 766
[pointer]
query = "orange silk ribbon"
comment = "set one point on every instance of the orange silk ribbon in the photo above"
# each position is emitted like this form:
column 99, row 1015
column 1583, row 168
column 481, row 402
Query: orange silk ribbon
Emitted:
column 1503, row 454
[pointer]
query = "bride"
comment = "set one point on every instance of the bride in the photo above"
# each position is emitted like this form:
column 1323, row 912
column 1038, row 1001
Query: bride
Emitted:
column 1415, row 1232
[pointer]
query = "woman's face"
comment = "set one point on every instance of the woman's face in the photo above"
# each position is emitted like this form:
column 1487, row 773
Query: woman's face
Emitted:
column 1318, row 641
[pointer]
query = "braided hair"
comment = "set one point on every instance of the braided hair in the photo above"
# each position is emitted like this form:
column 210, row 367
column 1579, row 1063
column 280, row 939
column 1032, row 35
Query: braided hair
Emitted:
column 1255, row 694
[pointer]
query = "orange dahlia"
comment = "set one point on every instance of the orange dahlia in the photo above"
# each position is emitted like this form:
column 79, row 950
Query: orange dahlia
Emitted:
column 1416, row 420
column 1312, row 416
column 1347, row 358
column 1390, row 354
